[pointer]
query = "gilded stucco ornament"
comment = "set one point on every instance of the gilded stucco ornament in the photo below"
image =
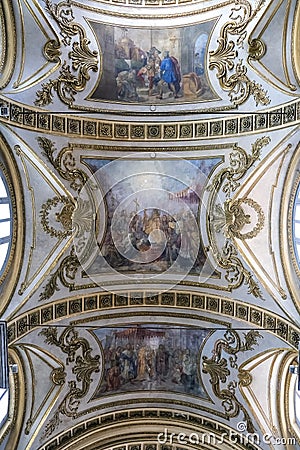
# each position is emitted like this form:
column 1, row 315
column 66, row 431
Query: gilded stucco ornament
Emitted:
column 72, row 77
column 257, row 49
column 64, row 163
column 64, row 216
column 218, row 368
column 74, row 216
column 65, row 273
column 223, row 59
column 78, row 353
column 232, row 218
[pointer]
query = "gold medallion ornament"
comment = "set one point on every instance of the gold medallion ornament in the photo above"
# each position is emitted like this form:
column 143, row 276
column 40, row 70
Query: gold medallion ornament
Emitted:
column 231, row 218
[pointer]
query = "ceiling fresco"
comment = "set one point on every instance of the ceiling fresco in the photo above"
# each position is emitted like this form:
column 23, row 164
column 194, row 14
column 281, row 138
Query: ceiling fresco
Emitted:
column 151, row 155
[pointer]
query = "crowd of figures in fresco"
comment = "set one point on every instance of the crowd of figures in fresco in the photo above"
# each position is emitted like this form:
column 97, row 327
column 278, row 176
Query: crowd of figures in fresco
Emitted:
column 152, row 73
column 166, row 235
column 160, row 238
column 138, row 359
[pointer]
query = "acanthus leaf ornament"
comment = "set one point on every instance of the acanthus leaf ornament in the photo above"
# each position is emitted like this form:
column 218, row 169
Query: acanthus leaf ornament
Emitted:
column 77, row 216
column 238, row 84
column 78, row 351
column 217, row 368
column 74, row 215
column 82, row 59
column 64, row 163
column 65, row 273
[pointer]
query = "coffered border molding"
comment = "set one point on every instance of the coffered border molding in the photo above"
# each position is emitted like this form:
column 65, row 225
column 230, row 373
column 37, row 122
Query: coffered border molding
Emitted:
column 131, row 419
column 103, row 306
column 151, row 130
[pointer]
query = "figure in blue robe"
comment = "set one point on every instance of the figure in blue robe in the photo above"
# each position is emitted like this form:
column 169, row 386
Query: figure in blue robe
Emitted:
column 170, row 75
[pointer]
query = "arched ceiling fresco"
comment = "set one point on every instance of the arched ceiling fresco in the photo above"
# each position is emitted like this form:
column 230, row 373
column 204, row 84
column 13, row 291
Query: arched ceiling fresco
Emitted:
column 151, row 150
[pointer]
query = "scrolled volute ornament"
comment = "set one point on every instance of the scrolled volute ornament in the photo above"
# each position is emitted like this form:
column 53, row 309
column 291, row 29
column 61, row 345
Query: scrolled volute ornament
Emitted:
column 231, row 218
column 78, row 351
column 218, row 369
column 72, row 77
column 238, row 85
column 257, row 49
column 65, row 273
column 64, row 163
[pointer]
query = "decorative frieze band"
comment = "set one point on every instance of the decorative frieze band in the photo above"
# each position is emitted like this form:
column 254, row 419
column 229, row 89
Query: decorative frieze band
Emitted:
column 124, row 301
column 140, row 131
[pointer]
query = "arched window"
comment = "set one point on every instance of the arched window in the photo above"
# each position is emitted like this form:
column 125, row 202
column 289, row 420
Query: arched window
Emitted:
column 5, row 223
column 296, row 226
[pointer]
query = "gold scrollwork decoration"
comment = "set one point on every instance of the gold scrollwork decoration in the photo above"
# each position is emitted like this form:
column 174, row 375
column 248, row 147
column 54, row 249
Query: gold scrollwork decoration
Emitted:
column 65, row 273
column 75, row 216
column 257, row 49
column 238, row 84
column 217, row 368
column 83, row 60
column 234, row 218
column 64, row 163
column 58, row 376
column 78, row 351
column 52, row 50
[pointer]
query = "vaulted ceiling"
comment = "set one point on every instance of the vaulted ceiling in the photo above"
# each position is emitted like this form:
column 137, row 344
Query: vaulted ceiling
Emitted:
column 152, row 285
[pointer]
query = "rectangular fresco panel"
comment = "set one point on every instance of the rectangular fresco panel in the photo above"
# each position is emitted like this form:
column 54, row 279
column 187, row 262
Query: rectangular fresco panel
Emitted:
column 152, row 209
column 157, row 358
column 153, row 65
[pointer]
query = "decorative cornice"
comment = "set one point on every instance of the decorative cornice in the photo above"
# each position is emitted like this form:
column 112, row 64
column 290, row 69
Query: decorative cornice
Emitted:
column 152, row 131
column 159, row 418
column 112, row 305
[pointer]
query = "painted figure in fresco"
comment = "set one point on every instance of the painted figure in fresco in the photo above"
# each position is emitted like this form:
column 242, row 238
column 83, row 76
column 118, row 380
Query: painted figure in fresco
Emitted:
column 141, row 364
column 192, row 85
column 170, row 75
column 126, row 85
column 150, row 72
column 162, row 362
column 199, row 69
column 150, row 365
column 128, row 358
column 188, row 370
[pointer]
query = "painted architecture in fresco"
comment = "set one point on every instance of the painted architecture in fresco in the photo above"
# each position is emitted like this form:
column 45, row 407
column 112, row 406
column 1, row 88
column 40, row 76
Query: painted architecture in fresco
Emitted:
column 157, row 65
column 151, row 358
column 152, row 210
